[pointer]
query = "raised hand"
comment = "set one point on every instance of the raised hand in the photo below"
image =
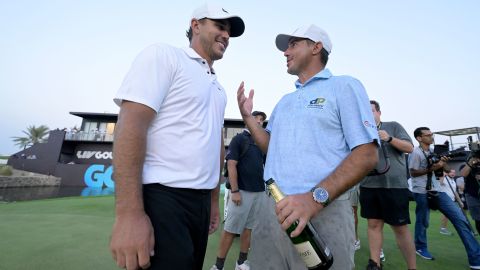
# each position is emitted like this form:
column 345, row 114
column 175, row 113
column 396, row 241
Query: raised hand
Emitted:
column 245, row 105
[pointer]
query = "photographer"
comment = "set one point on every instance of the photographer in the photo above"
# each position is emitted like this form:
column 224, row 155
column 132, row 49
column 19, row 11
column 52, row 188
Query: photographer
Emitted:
column 471, row 173
column 422, row 168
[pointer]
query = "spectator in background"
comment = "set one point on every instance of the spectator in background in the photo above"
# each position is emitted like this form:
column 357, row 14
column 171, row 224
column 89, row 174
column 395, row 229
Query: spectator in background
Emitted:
column 471, row 173
column 422, row 170
column 245, row 176
column 384, row 196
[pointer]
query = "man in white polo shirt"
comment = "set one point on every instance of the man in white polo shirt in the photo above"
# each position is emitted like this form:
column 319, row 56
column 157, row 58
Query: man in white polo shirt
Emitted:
column 169, row 138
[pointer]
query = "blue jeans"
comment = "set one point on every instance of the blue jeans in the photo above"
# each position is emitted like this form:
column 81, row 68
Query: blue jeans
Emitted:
column 453, row 212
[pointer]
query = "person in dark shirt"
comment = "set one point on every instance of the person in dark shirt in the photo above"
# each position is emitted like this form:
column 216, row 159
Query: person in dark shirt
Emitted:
column 245, row 174
column 471, row 173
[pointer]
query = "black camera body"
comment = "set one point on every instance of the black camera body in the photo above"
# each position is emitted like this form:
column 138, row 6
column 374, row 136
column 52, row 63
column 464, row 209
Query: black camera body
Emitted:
column 474, row 147
column 435, row 158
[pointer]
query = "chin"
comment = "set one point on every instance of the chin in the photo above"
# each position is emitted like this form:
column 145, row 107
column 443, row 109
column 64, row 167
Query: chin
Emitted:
column 217, row 54
column 291, row 71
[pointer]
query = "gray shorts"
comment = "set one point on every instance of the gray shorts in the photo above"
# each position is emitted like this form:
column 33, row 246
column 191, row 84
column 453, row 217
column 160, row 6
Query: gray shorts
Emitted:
column 473, row 206
column 272, row 249
column 243, row 216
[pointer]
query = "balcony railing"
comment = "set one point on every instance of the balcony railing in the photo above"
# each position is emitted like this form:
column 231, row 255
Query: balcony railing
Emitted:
column 88, row 136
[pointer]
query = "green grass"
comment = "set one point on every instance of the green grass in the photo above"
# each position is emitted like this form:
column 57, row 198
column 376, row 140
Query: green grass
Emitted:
column 73, row 233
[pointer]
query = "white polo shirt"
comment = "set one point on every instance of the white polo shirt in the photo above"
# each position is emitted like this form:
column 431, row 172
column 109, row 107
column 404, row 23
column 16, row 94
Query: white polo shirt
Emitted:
column 183, row 141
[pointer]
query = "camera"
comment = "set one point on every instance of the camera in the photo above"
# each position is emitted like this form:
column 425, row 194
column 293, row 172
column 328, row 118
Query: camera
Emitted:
column 474, row 147
column 435, row 158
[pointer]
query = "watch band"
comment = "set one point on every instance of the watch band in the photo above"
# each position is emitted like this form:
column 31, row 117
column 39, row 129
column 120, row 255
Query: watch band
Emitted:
column 390, row 139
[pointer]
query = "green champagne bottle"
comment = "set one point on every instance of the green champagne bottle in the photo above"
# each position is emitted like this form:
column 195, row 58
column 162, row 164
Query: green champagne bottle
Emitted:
column 311, row 248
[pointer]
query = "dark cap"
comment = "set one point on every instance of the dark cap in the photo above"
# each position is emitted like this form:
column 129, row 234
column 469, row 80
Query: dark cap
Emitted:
column 255, row 113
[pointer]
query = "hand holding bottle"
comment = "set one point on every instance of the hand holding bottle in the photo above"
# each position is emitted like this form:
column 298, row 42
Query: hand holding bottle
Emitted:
column 299, row 207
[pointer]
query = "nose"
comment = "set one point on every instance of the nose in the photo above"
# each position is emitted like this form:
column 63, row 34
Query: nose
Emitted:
column 226, row 34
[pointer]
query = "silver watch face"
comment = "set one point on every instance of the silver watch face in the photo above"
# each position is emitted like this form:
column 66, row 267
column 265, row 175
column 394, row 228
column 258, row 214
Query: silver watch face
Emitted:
column 320, row 195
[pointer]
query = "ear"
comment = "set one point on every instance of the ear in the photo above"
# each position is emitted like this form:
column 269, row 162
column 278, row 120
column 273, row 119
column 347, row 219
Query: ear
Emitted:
column 317, row 47
column 195, row 24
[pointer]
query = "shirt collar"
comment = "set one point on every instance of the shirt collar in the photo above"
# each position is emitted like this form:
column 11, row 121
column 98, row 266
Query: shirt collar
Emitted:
column 194, row 55
column 191, row 53
column 324, row 74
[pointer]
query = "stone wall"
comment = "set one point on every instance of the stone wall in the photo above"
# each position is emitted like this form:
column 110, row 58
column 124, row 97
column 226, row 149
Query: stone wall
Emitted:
column 28, row 179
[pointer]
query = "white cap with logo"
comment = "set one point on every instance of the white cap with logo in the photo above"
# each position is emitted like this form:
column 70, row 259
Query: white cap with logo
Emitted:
column 214, row 12
column 311, row 32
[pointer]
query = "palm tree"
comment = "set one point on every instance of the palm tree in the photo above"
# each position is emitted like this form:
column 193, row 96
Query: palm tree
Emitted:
column 22, row 142
column 34, row 135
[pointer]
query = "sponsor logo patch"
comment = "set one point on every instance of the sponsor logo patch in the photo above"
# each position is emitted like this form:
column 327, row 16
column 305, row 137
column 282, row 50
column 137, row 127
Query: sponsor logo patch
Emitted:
column 317, row 103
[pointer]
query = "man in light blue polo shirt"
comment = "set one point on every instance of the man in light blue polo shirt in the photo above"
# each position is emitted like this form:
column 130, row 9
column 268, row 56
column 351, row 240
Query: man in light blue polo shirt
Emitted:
column 321, row 141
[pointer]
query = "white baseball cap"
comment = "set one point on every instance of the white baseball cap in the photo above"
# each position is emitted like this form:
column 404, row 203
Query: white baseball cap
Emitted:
column 214, row 12
column 311, row 32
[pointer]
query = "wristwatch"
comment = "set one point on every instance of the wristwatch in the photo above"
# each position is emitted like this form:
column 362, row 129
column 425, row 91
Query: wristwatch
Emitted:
column 320, row 195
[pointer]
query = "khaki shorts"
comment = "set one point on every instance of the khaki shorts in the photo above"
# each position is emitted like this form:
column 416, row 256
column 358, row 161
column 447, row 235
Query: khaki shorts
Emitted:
column 243, row 216
column 272, row 249
column 355, row 195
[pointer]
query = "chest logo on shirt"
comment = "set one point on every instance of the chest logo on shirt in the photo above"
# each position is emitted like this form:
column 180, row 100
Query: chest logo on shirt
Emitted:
column 317, row 103
column 369, row 125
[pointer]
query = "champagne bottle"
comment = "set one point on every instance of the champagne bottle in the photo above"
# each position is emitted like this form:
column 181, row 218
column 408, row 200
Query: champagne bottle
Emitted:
column 311, row 248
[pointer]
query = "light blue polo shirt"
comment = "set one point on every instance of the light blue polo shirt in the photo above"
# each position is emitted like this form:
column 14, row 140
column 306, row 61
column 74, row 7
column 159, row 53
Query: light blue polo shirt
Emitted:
column 313, row 129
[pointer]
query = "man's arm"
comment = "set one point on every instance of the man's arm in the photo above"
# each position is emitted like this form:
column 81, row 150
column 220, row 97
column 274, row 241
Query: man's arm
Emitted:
column 434, row 167
column 352, row 170
column 132, row 236
column 214, row 206
column 233, row 180
column 473, row 162
column 259, row 135
column 404, row 146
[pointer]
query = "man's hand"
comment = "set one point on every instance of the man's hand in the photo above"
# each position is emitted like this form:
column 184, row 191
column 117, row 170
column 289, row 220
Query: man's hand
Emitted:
column 299, row 207
column 384, row 136
column 214, row 218
column 473, row 162
column 440, row 164
column 236, row 198
column 132, row 241
column 244, row 104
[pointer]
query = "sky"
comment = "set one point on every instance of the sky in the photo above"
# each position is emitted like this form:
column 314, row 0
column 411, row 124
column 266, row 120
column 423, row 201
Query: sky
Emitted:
column 419, row 59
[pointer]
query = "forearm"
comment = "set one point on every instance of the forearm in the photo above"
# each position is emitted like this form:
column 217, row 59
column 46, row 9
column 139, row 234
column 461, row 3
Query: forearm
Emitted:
column 232, row 175
column 457, row 197
column 352, row 170
column 128, row 152
column 466, row 170
column 402, row 145
column 259, row 135
column 419, row 172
